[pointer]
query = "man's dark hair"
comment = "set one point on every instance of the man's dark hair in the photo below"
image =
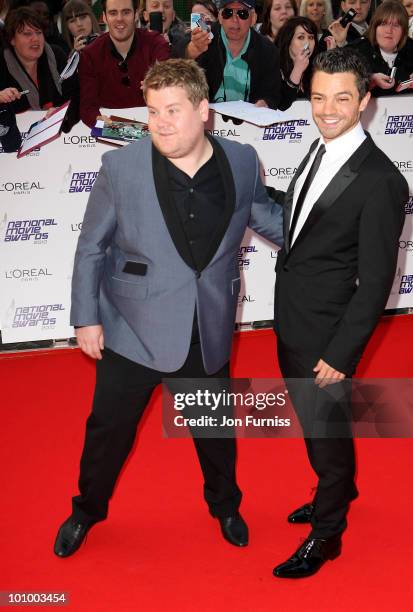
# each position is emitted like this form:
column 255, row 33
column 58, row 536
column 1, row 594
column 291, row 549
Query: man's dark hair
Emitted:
column 345, row 59
column 135, row 4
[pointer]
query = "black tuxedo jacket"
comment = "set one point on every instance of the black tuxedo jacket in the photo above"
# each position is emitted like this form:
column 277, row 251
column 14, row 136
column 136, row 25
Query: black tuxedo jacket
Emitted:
column 333, row 283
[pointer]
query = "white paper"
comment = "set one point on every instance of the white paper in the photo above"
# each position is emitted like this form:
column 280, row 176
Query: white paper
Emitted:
column 44, row 131
column 252, row 114
column 71, row 66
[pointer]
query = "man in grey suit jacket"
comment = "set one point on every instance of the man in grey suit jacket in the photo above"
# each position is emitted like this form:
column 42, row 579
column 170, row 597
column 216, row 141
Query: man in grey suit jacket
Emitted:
column 155, row 285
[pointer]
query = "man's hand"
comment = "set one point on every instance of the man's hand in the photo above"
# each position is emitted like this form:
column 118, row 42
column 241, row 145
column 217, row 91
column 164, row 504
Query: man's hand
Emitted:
column 200, row 42
column 326, row 375
column 339, row 33
column 90, row 340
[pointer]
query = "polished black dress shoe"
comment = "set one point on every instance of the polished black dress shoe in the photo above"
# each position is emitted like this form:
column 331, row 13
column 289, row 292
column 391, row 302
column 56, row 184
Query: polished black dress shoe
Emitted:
column 301, row 514
column 234, row 529
column 308, row 559
column 70, row 537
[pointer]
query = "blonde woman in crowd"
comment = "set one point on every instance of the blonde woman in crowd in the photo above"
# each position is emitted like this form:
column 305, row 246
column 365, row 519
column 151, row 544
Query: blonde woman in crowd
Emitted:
column 319, row 11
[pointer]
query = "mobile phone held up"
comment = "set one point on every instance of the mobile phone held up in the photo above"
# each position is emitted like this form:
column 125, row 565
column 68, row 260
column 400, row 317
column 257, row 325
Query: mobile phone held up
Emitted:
column 199, row 21
column 347, row 17
column 156, row 21
column 90, row 38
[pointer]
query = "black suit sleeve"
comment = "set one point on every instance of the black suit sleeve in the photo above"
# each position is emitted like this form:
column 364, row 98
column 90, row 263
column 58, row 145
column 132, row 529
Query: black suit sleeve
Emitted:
column 381, row 223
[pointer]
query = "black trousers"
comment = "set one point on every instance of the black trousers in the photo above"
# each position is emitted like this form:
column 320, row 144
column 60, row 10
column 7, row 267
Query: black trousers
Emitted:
column 325, row 416
column 122, row 392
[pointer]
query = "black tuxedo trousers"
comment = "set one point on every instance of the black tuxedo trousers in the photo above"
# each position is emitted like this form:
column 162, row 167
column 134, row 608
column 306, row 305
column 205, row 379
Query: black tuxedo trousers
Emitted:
column 326, row 413
column 122, row 392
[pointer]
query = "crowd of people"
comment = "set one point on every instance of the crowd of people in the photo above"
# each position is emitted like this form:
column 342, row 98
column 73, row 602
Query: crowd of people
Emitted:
column 257, row 53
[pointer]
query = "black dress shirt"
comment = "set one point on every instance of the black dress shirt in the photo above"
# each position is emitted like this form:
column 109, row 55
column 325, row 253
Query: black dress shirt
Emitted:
column 199, row 202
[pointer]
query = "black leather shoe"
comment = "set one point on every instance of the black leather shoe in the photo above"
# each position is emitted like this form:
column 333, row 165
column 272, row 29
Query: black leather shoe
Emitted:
column 70, row 536
column 234, row 529
column 308, row 559
column 301, row 514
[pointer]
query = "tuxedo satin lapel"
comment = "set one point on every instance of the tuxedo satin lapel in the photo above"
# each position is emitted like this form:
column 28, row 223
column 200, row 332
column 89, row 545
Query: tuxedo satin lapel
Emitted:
column 288, row 202
column 344, row 177
column 230, row 199
column 170, row 215
column 333, row 191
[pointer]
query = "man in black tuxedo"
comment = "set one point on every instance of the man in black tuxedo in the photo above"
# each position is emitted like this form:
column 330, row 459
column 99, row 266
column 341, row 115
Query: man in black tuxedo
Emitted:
column 343, row 215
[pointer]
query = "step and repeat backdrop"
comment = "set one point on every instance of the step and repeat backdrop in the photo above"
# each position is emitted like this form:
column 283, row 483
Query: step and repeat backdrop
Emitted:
column 43, row 198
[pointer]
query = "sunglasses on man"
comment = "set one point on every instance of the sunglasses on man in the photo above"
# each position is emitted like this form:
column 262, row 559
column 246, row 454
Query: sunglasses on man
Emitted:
column 227, row 13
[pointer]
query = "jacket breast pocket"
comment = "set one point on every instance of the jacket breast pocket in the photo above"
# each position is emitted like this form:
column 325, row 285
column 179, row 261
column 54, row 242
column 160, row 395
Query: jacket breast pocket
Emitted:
column 128, row 289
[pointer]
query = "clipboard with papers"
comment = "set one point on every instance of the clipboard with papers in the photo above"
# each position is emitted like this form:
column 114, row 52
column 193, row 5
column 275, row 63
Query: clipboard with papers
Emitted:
column 43, row 131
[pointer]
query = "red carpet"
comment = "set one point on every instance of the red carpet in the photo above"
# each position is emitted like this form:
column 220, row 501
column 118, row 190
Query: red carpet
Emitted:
column 160, row 550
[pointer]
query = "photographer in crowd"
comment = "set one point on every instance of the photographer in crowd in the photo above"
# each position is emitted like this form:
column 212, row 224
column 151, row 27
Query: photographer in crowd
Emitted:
column 239, row 63
column 112, row 69
column 79, row 24
column 171, row 26
column 356, row 27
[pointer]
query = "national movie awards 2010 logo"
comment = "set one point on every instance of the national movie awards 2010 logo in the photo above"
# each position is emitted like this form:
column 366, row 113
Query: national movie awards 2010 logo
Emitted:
column 406, row 284
column 41, row 316
column 399, row 124
column 36, row 231
column 290, row 131
column 78, row 181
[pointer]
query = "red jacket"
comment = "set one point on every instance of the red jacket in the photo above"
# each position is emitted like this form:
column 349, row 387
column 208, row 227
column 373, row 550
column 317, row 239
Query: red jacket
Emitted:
column 101, row 78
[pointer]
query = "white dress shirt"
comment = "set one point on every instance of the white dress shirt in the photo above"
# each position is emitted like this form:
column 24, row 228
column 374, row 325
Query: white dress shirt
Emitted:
column 338, row 151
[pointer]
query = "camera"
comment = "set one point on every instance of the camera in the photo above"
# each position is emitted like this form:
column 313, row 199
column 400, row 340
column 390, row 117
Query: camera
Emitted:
column 90, row 38
column 156, row 21
column 347, row 17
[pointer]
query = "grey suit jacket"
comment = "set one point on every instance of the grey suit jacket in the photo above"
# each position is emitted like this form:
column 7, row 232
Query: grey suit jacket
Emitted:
column 148, row 318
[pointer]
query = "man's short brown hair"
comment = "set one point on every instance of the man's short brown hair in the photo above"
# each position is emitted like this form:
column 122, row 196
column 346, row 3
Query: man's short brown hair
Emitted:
column 178, row 73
